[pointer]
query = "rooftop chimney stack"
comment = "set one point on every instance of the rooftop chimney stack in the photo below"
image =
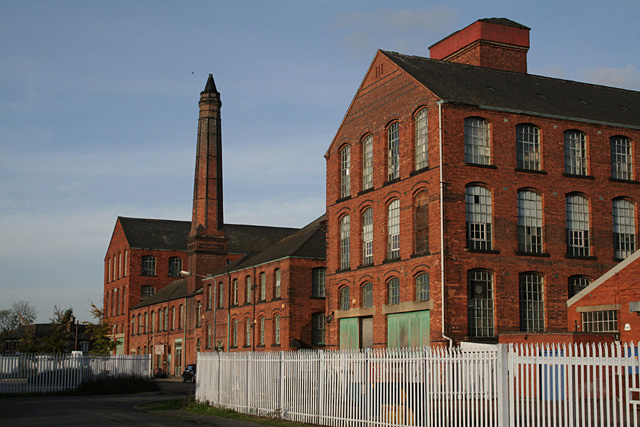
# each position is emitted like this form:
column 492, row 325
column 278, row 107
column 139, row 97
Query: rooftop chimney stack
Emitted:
column 494, row 43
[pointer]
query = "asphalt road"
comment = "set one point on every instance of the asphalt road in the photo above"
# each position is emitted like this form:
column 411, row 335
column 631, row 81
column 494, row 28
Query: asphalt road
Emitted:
column 103, row 410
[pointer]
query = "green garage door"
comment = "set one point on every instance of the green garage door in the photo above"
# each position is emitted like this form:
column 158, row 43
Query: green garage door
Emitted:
column 349, row 333
column 408, row 329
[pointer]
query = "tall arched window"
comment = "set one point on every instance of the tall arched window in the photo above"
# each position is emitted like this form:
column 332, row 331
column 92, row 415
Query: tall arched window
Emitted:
column 276, row 283
column 393, row 291
column 393, row 230
column 393, row 154
column 479, row 217
column 235, row 333
column 421, row 145
column 367, row 163
column 528, row 147
column 422, row 287
column 421, row 224
column 249, row 285
column 480, row 314
column 477, row 141
column 248, row 332
column 345, row 171
column 575, row 153
column 624, row 228
column 531, row 302
column 344, row 298
column 367, row 295
column 367, row 237
column 621, row 158
column 345, row 230
column 529, row 222
column 577, row 225
column 276, row 329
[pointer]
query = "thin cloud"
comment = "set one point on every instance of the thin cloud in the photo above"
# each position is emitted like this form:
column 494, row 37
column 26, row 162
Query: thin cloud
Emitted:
column 626, row 77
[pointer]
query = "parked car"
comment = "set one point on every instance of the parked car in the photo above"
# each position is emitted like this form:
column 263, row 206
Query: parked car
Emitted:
column 189, row 374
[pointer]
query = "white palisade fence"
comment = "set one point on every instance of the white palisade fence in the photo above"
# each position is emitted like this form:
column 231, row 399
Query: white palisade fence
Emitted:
column 42, row 373
column 503, row 385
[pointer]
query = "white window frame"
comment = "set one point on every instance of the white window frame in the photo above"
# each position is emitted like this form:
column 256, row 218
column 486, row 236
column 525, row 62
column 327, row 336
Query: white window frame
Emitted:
column 477, row 141
column 421, row 144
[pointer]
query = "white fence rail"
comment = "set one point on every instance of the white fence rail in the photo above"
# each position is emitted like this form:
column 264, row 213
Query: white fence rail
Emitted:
column 42, row 373
column 501, row 386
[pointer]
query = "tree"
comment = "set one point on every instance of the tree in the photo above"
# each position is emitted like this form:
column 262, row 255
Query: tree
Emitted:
column 21, row 313
column 100, row 332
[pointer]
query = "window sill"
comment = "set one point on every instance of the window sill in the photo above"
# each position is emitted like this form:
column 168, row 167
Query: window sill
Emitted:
column 275, row 345
column 538, row 254
column 539, row 172
column 421, row 254
column 343, row 270
column 342, row 199
column 624, row 181
column 318, row 298
column 365, row 266
column 482, row 251
column 587, row 257
column 246, row 346
column 260, row 346
column 419, row 171
column 571, row 175
column 389, row 261
column 368, row 190
column 232, row 347
column 392, row 181
column 478, row 165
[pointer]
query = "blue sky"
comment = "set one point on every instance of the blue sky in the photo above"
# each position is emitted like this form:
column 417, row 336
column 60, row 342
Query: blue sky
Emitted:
column 99, row 107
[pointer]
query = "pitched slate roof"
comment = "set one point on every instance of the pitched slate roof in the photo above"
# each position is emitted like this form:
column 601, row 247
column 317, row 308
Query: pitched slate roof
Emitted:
column 174, row 290
column 519, row 92
column 254, row 238
column 157, row 234
column 308, row 242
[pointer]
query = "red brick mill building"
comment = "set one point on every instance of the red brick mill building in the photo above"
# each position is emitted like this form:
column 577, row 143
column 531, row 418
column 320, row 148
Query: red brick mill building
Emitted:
column 468, row 200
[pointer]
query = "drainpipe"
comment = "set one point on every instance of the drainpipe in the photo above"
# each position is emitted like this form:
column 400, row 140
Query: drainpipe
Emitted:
column 442, row 253
column 229, row 306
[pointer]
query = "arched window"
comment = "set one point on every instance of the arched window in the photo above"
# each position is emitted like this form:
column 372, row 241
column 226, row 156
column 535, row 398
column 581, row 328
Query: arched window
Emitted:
column 621, row 158
column 345, row 171
column 479, row 217
column 393, row 291
column 367, row 237
column 577, row 225
column 528, row 147
column 276, row 329
column 393, row 230
column 234, row 291
column 480, row 315
column 344, row 298
column 393, row 155
column 531, row 302
column 529, row 222
column 248, row 332
column 235, row 333
column 345, row 230
column 421, row 145
column 263, row 286
column 367, row 163
column 249, row 285
column 477, row 142
column 575, row 153
column 421, row 224
column 276, row 283
column 422, row 287
column 367, row 295
column 624, row 228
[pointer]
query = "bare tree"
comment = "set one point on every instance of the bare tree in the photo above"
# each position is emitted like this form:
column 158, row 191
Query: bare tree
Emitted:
column 20, row 314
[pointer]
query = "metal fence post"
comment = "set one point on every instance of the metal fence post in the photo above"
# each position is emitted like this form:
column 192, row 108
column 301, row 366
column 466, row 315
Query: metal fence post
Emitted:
column 283, row 411
column 503, row 385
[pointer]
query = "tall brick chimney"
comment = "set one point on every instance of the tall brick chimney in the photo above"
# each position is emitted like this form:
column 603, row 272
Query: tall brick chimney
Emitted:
column 494, row 42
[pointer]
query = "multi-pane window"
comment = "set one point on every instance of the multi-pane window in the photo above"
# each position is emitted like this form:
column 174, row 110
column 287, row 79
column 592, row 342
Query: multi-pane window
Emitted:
column 318, row 328
column 577, row 283
column 421, row 224
column 478, row 217
column 345, row 230
column 148, row 266
column 175, row 266
column 276, row 329
column 528, row 147
column 393, row 230
column 575, row 153
column 600, row 321
column 146, row 291
column 367, row 295
column 126, row 257
column 393, row 154
column 261, row 330
column 199, row 314
column 624, row 228
column 248, row 281
column 367, row 237
column 160, row 321
column 477, row 141
column 531, row 302
column 234, row 291
column 345, row 171
column 153, row 321
column 529, row 222
column 393, row 291
column 277, row 285
column 234, row 341
column 480, row 303
column 247, row 332
column 344, row 298
column 209, row 296
column 133, row 325
column 263, row 286
column 421, row 139
column 621, row 158
column 367, row 163
column 422, row 287
column 577, row 225
column 181, row 318
column 166, row 319
column 220, row 295
column 318, row 282
column 209, row 335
